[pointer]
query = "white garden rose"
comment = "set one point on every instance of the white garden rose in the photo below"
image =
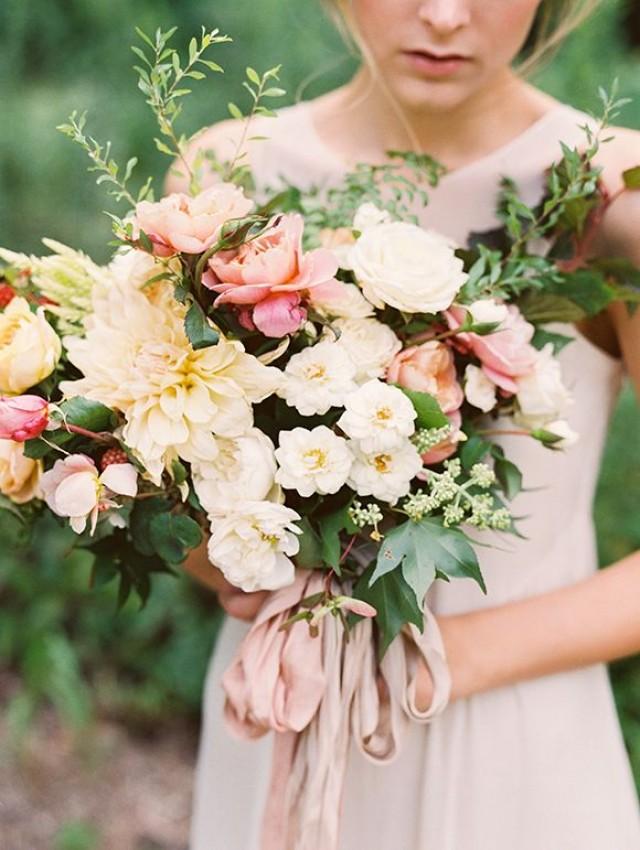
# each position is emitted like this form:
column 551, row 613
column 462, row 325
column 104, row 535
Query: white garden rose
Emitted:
column 317, row 378
column 407, row 267
column 487, row 310
column 378, row 416
column 479, row 390
column 244, row 469
column 253, row 543
column 562, row 429
column 339, row 300
column 29, row 347
column 19, row 475
column 385, row 475
column 371, row 345
column 369, row 215
column 315, row 461
column 541, row 395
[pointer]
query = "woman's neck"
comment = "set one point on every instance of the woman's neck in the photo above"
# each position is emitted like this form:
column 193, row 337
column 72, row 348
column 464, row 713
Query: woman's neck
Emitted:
column 359, row 121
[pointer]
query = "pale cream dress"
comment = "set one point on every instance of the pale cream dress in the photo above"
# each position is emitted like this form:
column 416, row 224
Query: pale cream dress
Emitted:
column 539, row 765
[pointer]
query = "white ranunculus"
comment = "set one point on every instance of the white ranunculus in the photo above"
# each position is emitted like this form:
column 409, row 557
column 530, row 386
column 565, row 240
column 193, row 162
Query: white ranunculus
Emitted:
column 371, row 345
column 479, row 390
column 378, row 417
column 253, row 543
column 542, row 397
column 407, row 267
column 385, row 475
column 562, row 429
column 244, row 469
column 316, row 461
column 487, row 310
column 319, row 377
column 369, row 215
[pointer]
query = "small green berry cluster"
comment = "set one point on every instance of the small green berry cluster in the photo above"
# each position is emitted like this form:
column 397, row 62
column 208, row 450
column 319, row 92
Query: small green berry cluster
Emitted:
column 425, row 439
column 458, row 502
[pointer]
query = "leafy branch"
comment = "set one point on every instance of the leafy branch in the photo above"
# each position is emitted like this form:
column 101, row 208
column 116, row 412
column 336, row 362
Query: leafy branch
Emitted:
column 258, row 87
column 100, row 156
column 163, row 79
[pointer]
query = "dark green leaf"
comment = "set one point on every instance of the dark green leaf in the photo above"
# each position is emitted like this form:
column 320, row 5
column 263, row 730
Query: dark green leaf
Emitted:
column 144, row 511
column 172, row 535
column 473, row 450
column 310, row 553
column 542, row 336
column 330, row 528
column 394, row 601
column 198, row 328
column 429, row 412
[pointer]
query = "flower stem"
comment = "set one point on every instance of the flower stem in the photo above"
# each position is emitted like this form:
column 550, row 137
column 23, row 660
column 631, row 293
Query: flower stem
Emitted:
column 92, row 435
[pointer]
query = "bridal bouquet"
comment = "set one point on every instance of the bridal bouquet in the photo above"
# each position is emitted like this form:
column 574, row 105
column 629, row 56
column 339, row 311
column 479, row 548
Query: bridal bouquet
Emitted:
column 312, row 378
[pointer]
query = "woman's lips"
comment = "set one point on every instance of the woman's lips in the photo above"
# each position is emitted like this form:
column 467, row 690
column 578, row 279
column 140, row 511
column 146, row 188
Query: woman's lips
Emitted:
column 432, row 65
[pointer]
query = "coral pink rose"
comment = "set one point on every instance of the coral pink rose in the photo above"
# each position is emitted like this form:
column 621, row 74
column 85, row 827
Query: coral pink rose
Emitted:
column 428, row 368
column 22, row 417
column 181, row 224
column 506, row 353
column 268, row 276
column 73, row 488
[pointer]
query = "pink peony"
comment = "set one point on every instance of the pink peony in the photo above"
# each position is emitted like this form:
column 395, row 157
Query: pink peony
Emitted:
column 428, row 368
column 504, row 354
column 274, row 269
column 181, row 224
column 22, row 417
column 72, row 488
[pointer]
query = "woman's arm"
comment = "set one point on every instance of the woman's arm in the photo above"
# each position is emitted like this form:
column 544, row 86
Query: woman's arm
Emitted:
column 597, row 619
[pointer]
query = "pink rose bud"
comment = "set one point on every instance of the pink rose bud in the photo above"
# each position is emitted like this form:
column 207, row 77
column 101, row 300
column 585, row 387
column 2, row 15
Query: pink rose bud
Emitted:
column 23, row 417
column 357, row 606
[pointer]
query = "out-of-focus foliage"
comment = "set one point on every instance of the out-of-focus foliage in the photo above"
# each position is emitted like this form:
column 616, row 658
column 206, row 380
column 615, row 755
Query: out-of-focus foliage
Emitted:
column 67, row 642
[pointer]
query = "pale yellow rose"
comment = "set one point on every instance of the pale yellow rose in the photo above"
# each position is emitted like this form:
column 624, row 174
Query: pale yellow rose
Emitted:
column 29, row 347
column 19, row 475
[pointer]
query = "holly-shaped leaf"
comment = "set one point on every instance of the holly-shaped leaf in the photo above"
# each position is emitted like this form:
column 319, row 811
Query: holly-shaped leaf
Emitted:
column 394, row 601
column 330, row 528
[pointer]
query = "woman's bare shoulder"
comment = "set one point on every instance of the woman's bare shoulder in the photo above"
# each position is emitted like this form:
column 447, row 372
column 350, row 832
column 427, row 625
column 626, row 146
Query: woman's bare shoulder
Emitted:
column 621, row 224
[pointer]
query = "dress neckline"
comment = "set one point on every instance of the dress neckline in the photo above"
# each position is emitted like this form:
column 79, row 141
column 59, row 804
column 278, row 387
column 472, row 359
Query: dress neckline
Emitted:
column 534, row 129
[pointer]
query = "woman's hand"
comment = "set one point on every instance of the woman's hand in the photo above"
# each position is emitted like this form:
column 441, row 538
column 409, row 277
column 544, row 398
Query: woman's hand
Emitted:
column 235, row 602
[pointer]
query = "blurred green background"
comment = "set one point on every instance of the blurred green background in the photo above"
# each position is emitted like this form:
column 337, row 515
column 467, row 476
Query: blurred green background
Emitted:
column 59, row 641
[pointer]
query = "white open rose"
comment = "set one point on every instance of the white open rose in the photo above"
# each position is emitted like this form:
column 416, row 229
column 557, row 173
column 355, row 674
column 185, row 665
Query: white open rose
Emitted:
column 317, row 378
column 407, row 267
column 253, row 545
column 369, row 343
column 315, row 461
column 542, row 397
column 244, row 468
column 378, row 416
column 385, row 475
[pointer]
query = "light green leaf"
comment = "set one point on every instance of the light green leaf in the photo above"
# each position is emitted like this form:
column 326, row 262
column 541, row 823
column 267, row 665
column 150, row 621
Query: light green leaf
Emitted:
column 429, row 412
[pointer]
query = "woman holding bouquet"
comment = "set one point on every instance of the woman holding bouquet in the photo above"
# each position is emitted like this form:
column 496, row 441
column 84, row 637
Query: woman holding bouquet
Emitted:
column 528, row 754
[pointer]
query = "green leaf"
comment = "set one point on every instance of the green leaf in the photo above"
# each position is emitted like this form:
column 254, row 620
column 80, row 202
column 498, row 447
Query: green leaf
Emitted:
column 235, row 111
column 429, row 412
column 172, row 535
column 144, row 511
column 253, row 76
column 421, row 548
column 198, row 328
column 631, row 177
column 473, row 450
column 89, row 414
column 310, row 553
column 542, row 337
column 330, row 528
column 547, row 307
column 394, row 601
column 508, row 475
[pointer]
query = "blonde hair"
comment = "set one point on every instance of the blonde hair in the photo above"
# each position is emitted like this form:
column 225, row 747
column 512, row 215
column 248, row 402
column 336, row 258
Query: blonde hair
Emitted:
column 555, row 20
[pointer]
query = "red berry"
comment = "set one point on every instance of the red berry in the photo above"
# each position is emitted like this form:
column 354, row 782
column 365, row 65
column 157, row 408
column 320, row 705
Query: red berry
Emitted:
column 112, row 456
column 7, row 294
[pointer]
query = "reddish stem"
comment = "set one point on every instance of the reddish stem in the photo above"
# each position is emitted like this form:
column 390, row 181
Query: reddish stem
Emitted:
column 507, row 432
column 83, row 432
column 348, row 547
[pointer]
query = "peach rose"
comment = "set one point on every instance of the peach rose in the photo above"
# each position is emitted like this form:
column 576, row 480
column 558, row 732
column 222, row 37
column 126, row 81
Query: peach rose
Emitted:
column 266, row 276
column 428, row 368
column 506, row 353
column 181, row 224
column 19, row 475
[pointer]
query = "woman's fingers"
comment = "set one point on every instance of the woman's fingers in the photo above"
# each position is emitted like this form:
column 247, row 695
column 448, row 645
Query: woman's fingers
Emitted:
column 243, row 606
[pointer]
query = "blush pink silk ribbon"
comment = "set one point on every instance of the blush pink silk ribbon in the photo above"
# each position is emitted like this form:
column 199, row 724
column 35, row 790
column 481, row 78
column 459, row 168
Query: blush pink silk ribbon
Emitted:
column 317, row 694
